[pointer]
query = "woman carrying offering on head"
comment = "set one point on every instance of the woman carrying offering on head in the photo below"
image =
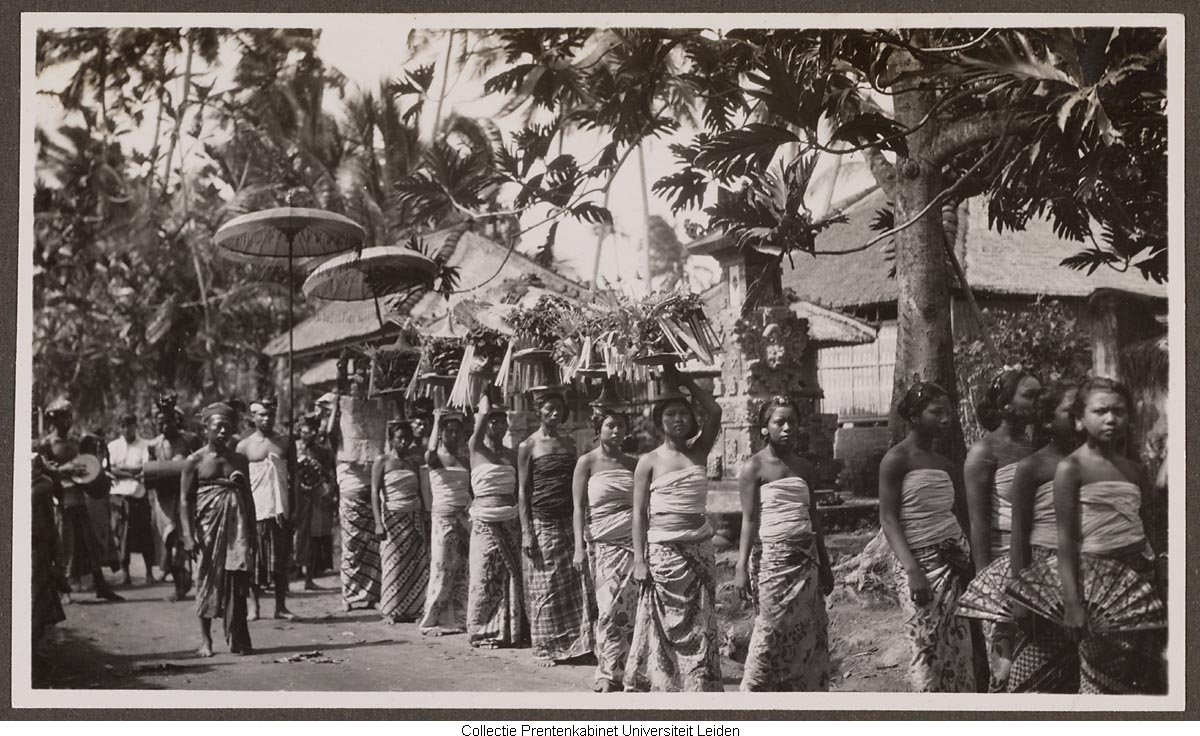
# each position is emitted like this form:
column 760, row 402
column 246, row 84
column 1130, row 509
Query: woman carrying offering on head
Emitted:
column 1100, row 497
column 556, row 591
column 987, row 476
column 918, row 505
column 675, row 640
column 603, row 493
column 496, row 595
column 1045, row 660
column 400, row 522
column 450, row 489
column 782, row 563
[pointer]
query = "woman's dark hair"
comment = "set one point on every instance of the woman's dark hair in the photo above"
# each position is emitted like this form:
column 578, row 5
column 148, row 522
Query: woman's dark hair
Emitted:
column 773, row 403
column 917, row 397
column 543, row 399
column 604, row 412
column 661, row 407
column 1092, row 385
column 1047, row 403
column 1000, row 392
column 403, row 427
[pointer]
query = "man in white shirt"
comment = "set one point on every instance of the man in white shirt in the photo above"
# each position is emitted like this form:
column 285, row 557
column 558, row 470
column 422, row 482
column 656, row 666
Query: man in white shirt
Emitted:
column 131, row 520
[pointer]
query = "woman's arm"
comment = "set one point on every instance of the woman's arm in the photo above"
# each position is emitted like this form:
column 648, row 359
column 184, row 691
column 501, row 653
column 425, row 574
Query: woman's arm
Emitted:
column 187, row 479
column 641, row 515
column 712, row 414
column 524, row 510
column 978, row 472
column 377, row 470
column 1067, row 483
column 579, row 484
column 431, row 446
column 748, row 493
column 891, row 478
column 1024, row 488
column 824, row 566
column 475, row 441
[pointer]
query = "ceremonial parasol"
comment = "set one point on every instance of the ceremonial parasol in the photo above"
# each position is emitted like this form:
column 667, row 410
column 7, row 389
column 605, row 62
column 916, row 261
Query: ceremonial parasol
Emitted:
column 289, row 233
column 373, row 273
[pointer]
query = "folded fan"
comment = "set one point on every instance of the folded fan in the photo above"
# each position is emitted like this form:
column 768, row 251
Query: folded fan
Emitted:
column 1116, row 597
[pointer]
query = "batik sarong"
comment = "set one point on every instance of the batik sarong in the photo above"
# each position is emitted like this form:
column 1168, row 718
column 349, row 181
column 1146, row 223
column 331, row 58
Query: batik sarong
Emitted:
column 446, row 599
column 942, row 656
column 675, row 641
column 556, row 593
column 131, row 526
column 273, row 552
column 360, row 569
column 80, row 550
column 225, row 527
column 1045, row 659
column 496, row 598
column 403, row 551
column 108, row 554
column 1123, row 663
column 616, row 607
column 789, row 648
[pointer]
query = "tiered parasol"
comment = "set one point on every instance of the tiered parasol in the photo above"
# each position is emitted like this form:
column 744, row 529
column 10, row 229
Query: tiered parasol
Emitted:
column 289, row 233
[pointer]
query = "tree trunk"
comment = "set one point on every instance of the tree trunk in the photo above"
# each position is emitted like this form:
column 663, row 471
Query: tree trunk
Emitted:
column 924, row 343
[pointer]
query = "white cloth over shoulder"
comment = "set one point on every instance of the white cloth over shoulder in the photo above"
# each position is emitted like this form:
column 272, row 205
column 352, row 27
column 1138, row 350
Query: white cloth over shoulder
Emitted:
column 927, row 508
column 677, row 498
column 1043, row 532
column 131, row 455
column 1109, row 516
column 268, row 484
column 449, row 489
column 785, row 511
column 495, row 489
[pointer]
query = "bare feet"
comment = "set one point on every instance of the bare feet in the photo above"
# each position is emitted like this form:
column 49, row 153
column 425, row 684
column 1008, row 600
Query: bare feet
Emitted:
column 544, row 662
column 126, row 579
column 433, row 632
column 310, row 585
column 486, row 644
column 205, row 651
column 106, row 593
column 285, row 614
column 254, row 611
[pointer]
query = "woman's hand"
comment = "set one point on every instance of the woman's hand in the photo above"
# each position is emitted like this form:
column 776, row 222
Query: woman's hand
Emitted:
column 1075, row 619
column 580, row 559
column 641, row 572
column 918, row 586
column 741, row 583
column 529, row 543
column 189, row 542
column 825, row 575
column 380, row 530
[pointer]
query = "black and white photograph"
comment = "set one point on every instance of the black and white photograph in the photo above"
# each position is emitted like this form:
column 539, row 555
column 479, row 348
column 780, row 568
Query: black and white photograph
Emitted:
column 600, row 359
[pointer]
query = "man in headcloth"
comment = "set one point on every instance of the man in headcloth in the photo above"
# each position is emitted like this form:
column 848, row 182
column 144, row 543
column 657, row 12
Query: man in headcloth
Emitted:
column 81, row 550
column 271, row 462
column 171, row 444
column 219, row 525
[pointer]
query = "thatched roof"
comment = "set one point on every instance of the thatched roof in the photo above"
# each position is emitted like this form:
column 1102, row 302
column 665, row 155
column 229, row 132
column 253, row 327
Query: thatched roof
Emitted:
column 826, row 327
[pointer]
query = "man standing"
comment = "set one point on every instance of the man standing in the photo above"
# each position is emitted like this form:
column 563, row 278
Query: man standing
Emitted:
column 271, row 461
column 81, row 549
column 219, row 524
column 172, row 444
column 130, row 507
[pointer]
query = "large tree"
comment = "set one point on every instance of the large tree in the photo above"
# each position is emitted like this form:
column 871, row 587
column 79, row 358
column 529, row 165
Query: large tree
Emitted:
column 1065, row 123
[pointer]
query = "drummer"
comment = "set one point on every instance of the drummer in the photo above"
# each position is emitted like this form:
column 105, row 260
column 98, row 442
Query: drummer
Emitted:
column 81, row 550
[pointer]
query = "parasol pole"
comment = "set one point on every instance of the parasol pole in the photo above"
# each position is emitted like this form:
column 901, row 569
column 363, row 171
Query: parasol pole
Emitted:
column 291, row 342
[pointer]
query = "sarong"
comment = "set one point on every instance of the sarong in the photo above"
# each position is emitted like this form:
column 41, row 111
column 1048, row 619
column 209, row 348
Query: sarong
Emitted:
column 80, row 551
column 108, row 553
column 46, row 579
column 496, row 596
column 559, row 627
column 675, row 641
column 1045, row 660
column 272, row 553
column 789, row 649
column 361, row 571
column 616, row 606
column 1124, row 663
column 446, row 600
column 131, row 526
column 942, row 659
column 225, row 521
column 405, row 559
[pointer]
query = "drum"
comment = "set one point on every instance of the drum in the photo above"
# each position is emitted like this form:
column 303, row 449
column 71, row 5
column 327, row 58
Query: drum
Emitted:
column 163, row 476
column 81, row 471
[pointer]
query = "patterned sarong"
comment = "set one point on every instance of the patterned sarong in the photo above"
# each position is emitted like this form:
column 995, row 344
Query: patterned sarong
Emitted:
column 272, row 554
column 131, row 526
column 789, row 649
column 405, row 558
column 557, row 593
column 675, row 643
column 943, row 660
column 446, row 600
column 1045, row 660
column 80, row 551
column 616, row 604
column 225, row 521
column 496, row 599
column 360, row 549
